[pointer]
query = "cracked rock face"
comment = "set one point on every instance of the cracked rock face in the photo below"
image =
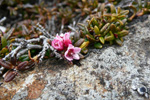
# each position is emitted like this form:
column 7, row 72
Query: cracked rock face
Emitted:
column 110, row 73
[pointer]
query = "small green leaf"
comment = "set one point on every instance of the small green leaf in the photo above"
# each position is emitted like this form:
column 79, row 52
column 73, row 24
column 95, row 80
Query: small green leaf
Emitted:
column 81, row 26
column 102, row 8
column 84, row 44
column 95, row 3
column 4, row 50
column 104, row 27
column 120, row 22
column 94, row 22
column 145, row 3
column 3, row 41
column 124, row 12
column 113, row 9
column 106, row 31
column 102, row 40
column 85, row 30
column 96, row 30
column 84, row 51
column 47, row 53
column 140, row 3
column 98, row 45
column 90, row 38
column 113, row 28
column 79, row 42
column 134, row 12
column 109, row 38
column 123, row 33
column 119, row 10
column 119, row 42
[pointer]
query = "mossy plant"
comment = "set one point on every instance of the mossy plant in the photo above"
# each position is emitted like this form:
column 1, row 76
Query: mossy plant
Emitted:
column 108, row 26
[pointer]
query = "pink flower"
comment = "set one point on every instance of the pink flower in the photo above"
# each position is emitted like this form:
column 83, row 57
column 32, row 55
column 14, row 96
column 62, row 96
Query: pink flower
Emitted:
column 72, row 53
column 58, row 43
column 66, row 39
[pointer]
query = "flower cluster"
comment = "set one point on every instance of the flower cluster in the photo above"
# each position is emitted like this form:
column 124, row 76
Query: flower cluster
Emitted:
column 63, row 43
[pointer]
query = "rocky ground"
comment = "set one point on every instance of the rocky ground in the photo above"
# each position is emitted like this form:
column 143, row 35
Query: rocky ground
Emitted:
column 111, row 73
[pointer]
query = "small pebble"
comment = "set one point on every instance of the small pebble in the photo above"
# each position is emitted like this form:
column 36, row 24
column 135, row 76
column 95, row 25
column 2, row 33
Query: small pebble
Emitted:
column 142, row 90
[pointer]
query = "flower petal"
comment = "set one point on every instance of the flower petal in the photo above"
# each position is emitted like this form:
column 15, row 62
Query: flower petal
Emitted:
column 77, row 50
column 66, row 35
column 59, row 38
column 70, row 46
column 61, row 35
column 57, row 44
column 66, row 39
column 76, row 56
column 70, row 58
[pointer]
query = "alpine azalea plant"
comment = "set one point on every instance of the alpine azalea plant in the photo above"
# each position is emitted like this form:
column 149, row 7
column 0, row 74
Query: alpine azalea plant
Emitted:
column 63, row 43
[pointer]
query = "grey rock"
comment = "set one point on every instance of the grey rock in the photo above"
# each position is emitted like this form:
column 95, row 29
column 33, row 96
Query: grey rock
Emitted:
column 106, row 74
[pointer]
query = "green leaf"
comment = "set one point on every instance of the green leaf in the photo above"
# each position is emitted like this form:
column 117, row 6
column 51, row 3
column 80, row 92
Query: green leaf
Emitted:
column 102, row 8
column 123, row 33
column 85, row 30
column 113, row 28
column 102, row 40
column 47, row 53
column 79, row 42
column 113, row 9
column 94, row 22
column 3, row 41
column 84, row 44
column 84, row 50
column 109, row 38
column 98, row 45
column 96, row 30
column 104, row 27
column 119, row 42
column 4, row 50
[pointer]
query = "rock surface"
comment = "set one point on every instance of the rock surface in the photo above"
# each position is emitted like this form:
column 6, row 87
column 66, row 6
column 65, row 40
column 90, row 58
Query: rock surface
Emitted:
column 111, row 73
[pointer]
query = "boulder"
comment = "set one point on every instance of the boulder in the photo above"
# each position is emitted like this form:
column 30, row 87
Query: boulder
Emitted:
column 111, row 73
